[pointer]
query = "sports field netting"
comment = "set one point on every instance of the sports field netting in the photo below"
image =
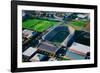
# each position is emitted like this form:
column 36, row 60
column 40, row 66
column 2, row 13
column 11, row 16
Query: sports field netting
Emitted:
column 38, row 25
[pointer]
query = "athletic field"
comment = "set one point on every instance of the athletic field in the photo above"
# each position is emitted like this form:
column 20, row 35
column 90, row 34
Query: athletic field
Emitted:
column 38, row 25
column 78, row 24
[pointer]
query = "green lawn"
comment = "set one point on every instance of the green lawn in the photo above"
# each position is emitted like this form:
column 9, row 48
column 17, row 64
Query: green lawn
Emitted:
column 30, row 23
column 78, row 23
column 38, row 24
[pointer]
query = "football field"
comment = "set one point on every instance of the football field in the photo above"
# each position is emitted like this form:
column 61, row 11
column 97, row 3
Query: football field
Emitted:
column 38, row 25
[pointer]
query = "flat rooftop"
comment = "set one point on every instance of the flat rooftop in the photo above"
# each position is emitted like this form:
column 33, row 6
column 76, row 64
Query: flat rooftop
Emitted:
column 45, row 46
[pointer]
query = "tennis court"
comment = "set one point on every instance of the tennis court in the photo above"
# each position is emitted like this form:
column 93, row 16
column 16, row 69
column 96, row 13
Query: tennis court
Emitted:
column 38, row 25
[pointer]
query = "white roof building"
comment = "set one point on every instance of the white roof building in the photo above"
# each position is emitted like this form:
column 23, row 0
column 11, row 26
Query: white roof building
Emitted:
column 52, row 59
column 37, row 57
column 82, row 15
column 29, row 51
column 79, row 48
column 27, row 33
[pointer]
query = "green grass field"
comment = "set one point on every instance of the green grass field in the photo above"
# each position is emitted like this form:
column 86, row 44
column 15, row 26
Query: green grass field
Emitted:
column 78, row 24
column 38, row 24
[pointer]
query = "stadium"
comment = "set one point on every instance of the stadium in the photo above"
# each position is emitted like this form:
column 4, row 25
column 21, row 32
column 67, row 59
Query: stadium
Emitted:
column 59, row 34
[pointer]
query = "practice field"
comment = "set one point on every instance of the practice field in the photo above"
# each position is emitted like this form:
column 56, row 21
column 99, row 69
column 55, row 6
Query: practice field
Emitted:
column 38, row 25
column 78, row 24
